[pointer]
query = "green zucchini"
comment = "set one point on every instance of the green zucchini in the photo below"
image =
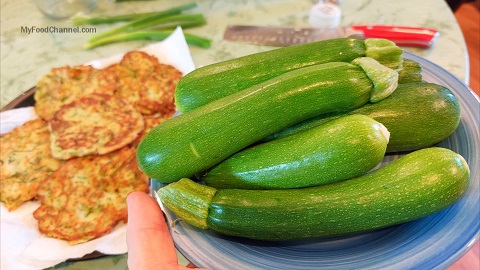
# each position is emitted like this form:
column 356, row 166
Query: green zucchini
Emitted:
column 196, row 141
column 414, row 186
column 218, row 80
column 417, row 115
column 338, row 150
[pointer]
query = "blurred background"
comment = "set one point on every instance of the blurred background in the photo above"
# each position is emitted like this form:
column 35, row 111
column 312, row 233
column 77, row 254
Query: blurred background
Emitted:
column 468, row 17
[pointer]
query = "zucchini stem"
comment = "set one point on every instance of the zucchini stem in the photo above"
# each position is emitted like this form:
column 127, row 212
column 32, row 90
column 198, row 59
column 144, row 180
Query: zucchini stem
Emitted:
column 190, row 201
column 384, row 51
column 411, row 72
column 384, row 79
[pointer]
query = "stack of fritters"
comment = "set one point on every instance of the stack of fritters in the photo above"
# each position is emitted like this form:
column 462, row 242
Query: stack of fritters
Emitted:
column 79, row 159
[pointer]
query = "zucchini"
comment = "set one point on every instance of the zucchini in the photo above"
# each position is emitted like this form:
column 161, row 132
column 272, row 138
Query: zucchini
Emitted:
column 414, row 186
column 218, row 80
column 196, row 141
column 336, row 151
column 417, row 115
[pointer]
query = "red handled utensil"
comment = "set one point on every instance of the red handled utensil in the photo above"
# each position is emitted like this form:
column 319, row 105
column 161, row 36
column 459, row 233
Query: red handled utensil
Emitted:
column 286, row 36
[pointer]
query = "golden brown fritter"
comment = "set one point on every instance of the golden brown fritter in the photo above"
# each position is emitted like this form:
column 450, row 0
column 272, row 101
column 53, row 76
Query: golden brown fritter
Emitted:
column 85, row 198
column 147, row 84
column 93, row 124
column 141, row 63
column 25, row 161
column 63, row 85
column 158, row 95
column 124, row 181
column 129, row 86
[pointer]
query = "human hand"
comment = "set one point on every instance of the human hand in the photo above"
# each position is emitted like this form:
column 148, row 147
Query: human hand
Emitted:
column 150, row 245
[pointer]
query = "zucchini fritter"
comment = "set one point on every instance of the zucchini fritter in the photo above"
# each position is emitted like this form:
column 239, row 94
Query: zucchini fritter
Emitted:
column 63, row 85
column 85, row 198
column 25, row 161
column 147, row 84
column 93, row 124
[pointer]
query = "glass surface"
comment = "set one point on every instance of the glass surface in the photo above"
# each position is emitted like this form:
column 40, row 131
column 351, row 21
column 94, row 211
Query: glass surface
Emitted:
column 62, row 9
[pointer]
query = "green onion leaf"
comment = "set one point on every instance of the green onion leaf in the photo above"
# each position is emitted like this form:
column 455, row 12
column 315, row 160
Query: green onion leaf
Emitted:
column 157, row 35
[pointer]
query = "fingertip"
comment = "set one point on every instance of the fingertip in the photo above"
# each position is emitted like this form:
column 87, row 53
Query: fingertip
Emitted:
column 141, row 202
column 143, row 209
column 135, row 196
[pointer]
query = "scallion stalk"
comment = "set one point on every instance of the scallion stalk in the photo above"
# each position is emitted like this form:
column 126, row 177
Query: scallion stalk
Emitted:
column 151, row 21
column 185, row 22
column 147, row 35
column 133, row 17
column 114, row 19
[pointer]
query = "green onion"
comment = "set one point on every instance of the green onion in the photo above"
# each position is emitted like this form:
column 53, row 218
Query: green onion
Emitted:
column 147, row 35
column 151, row 21
column 132, row 17
column 173, row 24
column 185, row 21
column 113, row 19
column 147, row 26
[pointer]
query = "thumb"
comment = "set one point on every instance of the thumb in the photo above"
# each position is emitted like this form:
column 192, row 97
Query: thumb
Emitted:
column 150, row 245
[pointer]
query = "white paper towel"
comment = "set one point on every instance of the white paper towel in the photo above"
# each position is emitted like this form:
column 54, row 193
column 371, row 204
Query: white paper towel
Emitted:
column 22, row 246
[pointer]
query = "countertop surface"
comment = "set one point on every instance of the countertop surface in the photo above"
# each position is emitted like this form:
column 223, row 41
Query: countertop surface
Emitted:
column 26, row 57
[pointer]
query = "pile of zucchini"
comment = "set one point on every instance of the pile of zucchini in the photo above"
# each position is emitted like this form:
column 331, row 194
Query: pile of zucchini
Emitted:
column 287, row 144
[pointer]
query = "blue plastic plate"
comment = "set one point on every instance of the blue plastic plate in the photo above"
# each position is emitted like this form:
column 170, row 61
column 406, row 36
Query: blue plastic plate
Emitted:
column 435, row 241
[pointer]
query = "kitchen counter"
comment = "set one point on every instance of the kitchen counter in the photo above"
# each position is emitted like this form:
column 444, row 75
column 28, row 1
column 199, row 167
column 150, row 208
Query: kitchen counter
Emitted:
column 26, row 57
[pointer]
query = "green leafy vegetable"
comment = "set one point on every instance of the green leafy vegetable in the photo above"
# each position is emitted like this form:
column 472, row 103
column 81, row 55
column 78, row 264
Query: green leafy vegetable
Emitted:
column 147, row 35
column 132, row 17
column 151, row 21
column 147, row 26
